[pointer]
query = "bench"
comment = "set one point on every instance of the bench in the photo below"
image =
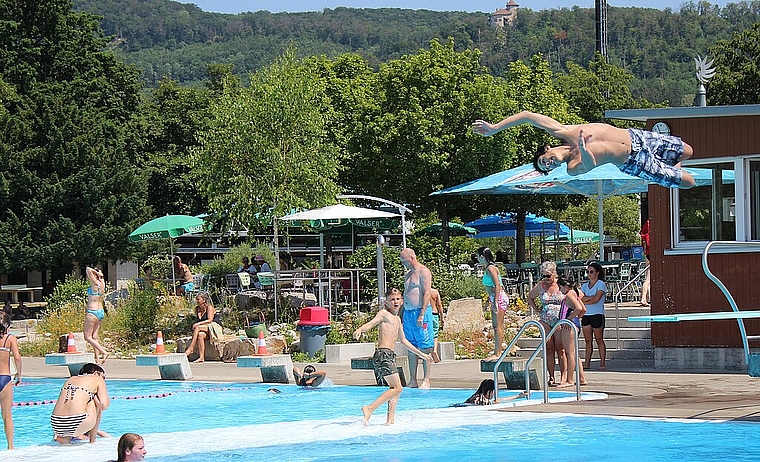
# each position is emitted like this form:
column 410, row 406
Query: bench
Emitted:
column 74, row 361
column 171, row 366
column 274, row 368
column 513, row 370
column 14, row 290
column 365, row 363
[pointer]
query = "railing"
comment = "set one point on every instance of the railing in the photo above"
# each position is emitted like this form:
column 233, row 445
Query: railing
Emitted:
column 541, row 349
column 617, row 301
column 323, row 282
column 726, row 293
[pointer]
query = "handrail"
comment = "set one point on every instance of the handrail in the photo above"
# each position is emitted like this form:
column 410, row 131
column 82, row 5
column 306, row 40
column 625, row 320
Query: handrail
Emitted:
column 542, row 349
column 617, row 300
column 726, row 293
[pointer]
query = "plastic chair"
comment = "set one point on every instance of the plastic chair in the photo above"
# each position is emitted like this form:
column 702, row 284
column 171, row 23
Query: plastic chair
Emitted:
column 245, row 280
column 266, row 280
column 232, row 283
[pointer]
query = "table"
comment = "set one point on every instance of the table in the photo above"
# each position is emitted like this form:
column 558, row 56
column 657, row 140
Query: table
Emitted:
column 14, row 290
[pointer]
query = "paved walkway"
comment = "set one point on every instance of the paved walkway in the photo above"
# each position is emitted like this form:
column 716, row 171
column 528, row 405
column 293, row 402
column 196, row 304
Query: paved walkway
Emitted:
column 644, row 393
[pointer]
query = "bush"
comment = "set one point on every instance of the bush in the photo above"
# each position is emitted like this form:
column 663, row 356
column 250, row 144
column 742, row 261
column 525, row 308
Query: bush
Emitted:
column 342, row 330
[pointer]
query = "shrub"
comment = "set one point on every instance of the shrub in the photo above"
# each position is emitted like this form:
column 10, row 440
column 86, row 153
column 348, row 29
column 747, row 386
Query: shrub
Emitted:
column 342, row 330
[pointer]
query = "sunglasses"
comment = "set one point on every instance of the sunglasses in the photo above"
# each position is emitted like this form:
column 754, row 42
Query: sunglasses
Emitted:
column 547, row 276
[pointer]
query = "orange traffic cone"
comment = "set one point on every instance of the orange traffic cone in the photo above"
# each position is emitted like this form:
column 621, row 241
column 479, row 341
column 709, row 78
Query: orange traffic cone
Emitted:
column 159, row 344
column 71, row 347
column 262, row 349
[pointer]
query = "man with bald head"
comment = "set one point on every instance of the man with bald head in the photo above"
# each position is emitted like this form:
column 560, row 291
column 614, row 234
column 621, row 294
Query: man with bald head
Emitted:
column 417, row 314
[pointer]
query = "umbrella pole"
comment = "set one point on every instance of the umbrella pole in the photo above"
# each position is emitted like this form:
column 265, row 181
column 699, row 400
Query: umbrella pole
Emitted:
column 171, row 253
column 600, row 212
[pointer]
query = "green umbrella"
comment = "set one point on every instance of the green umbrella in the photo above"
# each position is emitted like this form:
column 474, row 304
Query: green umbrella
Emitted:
column 455, row 229
column 579, row 237
column 167, row 227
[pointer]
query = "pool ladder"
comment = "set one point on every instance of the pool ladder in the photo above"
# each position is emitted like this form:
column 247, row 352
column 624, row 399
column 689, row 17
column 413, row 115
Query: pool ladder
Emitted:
column 541, row 349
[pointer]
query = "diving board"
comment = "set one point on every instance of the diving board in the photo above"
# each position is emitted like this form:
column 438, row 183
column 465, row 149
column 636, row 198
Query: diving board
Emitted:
column 714, row 316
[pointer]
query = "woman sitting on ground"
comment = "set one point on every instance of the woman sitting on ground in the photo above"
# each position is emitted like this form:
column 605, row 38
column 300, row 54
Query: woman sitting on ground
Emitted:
column 484, row 395
column 80, row 405
column 310, row 377
column 209, row 325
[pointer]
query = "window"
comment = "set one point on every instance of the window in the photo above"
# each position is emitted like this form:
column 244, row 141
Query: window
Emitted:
column 725, row 206
column 707, row 212
column 754, row 199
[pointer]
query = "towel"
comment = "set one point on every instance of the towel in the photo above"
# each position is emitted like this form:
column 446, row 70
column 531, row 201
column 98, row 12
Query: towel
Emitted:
column 215, row 333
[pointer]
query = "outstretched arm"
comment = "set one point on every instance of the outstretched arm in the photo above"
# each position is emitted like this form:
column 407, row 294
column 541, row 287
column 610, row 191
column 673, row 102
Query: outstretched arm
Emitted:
column 541, row 121
column 369, row 325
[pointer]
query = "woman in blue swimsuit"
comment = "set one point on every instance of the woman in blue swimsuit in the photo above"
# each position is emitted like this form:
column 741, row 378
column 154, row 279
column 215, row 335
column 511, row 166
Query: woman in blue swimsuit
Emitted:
column 498, row 301
column 8, row 348
column 94, row 313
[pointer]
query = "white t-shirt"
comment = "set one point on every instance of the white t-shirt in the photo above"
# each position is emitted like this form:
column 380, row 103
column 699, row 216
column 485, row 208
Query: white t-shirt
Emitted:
column 598, row 307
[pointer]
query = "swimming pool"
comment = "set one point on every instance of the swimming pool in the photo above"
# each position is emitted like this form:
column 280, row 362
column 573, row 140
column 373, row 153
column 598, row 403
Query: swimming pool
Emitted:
column 197, row 421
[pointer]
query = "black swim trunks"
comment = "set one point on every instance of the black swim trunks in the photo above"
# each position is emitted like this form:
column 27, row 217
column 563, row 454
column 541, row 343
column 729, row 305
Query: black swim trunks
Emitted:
column 596, row 321
column 384, row 362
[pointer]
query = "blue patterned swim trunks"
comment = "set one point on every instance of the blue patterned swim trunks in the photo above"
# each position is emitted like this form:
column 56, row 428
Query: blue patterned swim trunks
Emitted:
column 653, row 157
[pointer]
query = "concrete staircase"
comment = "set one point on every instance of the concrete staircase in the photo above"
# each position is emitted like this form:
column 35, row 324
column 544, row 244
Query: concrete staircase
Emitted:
column 632, row 350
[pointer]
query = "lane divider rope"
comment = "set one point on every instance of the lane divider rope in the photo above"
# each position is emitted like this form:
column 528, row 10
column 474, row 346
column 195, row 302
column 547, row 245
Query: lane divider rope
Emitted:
column 159, row 395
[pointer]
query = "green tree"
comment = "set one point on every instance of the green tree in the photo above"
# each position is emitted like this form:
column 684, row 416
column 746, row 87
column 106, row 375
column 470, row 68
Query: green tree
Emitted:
column 265, row 151
column 173, row 117
column 601, row 87
column 737, row 77
column 70, row 187
column 621, row 217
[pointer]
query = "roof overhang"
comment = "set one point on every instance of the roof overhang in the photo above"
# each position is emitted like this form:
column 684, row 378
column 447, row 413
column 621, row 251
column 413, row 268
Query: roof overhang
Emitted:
column 643, row 115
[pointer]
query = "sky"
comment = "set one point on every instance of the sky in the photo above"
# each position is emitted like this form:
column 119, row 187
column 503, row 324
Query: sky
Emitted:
column 487, row 6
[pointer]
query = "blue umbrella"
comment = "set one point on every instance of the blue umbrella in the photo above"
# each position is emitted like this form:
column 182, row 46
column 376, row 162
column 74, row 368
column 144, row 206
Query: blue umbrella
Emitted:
column 599, row 183
column 505, row 225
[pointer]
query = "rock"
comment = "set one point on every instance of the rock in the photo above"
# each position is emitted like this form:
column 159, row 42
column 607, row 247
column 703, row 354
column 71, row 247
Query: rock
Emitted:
column 251, row 300
column 212, row 353
column 276, row 344
column 238, row 347
column 464, row 315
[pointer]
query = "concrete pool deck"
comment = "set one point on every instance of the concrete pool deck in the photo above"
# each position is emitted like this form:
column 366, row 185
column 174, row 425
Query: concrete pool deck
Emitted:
column 636, row 393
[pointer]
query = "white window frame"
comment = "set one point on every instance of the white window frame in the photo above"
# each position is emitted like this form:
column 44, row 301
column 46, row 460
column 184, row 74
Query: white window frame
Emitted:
column 742, row 211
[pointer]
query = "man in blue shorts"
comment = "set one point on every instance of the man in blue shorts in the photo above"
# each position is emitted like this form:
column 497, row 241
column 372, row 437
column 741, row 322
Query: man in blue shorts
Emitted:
column 644, row 154
column 417, row 315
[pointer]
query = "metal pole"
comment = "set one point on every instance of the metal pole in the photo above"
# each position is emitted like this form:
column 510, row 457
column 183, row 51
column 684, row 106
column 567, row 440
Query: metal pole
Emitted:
column 380, row 270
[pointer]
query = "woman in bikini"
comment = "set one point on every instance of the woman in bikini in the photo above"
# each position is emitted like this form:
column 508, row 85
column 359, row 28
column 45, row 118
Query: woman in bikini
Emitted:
column 80, row 405
column 8, row 348
column 95, row 313
column 498, row 301
column 572, row 308
column 550, row 297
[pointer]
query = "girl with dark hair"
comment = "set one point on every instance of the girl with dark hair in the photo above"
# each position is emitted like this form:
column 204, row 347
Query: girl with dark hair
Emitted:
column 8, row 348
column 572, row 308
column 594, row 292
column 484, row 394
column 498, row 301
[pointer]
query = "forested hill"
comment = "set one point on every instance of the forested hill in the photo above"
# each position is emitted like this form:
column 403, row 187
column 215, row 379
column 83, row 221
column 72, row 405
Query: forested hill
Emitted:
column 163, row 37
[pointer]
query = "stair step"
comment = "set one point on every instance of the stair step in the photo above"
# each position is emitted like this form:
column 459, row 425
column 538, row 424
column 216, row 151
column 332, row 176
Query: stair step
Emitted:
column 639, row 354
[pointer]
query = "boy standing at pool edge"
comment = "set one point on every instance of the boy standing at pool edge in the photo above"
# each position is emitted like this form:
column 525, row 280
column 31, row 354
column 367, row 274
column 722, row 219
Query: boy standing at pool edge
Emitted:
column 384, row 359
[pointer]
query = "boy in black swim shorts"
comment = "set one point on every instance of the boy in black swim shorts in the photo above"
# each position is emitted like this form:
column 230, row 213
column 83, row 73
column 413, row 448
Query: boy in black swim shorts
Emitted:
column 384, row 359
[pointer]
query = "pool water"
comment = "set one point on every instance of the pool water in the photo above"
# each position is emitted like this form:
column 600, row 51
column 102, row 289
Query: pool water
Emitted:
column 197, row 421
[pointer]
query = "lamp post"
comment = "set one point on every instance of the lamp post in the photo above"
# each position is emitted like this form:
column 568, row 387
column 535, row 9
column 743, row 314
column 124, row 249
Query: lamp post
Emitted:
column 401, row 209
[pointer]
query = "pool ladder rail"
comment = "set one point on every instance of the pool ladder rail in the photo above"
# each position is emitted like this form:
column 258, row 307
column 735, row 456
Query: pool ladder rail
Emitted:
column 541, row 349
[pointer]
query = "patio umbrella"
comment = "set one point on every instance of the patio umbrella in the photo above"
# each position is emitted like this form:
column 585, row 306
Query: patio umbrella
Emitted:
column 598, row 183
column 455, row 229
column 578, row 237
column 505, row 225
column 336, row 215
column 167, row 227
